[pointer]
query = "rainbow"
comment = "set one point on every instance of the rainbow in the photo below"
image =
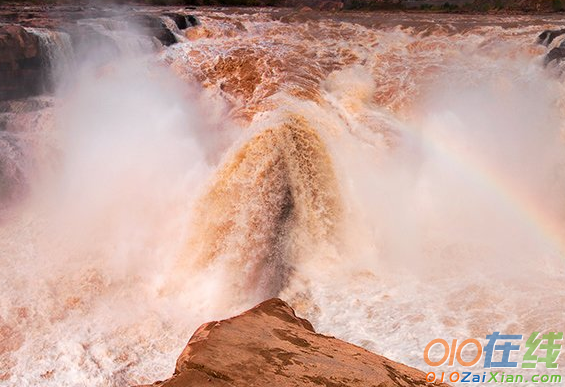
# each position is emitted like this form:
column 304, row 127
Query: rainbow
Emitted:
column 506, row 190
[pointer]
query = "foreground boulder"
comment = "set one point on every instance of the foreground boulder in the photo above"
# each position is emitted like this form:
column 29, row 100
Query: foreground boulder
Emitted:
column 270, row 346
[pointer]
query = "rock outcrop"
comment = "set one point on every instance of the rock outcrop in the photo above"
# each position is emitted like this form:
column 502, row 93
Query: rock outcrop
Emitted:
column 557, row 53
column 183, row 21
column 270, row 346
column 152, row 25
column 548, row 36
column 21, row 67
column 93, row 34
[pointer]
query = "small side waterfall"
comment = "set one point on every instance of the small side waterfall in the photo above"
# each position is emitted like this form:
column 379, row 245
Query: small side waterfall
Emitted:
column 56, row 52
column 117, row 33
column 173, row 27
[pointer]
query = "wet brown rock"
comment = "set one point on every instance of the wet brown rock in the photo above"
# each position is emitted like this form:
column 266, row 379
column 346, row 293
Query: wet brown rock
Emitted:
column 152, row 25
column 183, row 21
column 270, row 346
column 25, row 66
column 180, row 20
column 556, row 54
column 548, row 36
column 21, row 70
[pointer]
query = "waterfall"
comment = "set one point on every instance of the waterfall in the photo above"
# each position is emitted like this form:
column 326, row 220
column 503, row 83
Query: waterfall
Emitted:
column 172, row 26
column 274, row 202
column 395, row 177
column 56, row 51
column 121, row 33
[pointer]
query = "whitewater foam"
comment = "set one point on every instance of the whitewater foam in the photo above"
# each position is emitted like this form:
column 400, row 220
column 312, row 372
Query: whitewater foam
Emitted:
column 394, row 179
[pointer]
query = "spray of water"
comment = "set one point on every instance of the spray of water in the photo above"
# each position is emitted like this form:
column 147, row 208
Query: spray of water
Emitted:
column 102, row 228
column 394, row 191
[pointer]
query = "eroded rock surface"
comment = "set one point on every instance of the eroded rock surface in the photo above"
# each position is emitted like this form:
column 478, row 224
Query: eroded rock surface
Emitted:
column 270, row 346
column 21, row 70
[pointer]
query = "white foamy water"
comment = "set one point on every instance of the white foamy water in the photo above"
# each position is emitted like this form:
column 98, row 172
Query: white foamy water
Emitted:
column 395, row 178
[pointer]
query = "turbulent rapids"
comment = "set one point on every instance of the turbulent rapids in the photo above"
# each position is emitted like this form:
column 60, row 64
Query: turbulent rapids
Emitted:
column 396, row 178
column 286, row 177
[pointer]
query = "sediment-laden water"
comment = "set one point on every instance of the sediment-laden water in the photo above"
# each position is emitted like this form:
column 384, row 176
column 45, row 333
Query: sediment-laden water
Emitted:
column 395, row 177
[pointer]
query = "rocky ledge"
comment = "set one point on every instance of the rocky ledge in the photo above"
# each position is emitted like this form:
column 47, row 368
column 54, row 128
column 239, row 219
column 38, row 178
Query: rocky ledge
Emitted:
column 37, row 43
column 270, row 346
